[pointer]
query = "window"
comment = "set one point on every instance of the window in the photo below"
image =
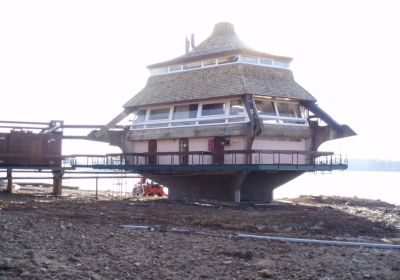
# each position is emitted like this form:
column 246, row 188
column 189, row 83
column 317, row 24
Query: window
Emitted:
column 281, row 64
column 174, row 68
column 227, row 59
column 159, row 114
column 236, row 108
column 185, row 112
column 140, row 116
column 182, row 112
column 159, row 71
column 291, row 110
column 265, row 61
column 249, row 59
column 209, row 62
column 192, row 65
column 265, row 108
column 213, row 109
column 217, row 112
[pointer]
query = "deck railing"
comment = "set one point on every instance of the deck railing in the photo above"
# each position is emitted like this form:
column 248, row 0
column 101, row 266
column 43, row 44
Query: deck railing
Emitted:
column 203, row 158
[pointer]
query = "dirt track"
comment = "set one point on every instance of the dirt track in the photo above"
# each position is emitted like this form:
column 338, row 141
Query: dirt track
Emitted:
column 83, row 239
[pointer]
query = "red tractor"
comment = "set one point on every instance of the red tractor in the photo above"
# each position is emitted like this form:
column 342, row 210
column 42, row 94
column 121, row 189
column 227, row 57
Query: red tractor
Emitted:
column 147, row 187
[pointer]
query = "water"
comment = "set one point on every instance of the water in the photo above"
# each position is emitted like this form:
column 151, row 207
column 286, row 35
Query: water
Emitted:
column 384, row 186
column 363, row 184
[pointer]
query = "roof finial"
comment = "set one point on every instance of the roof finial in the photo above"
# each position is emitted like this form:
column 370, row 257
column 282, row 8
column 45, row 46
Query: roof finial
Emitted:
column 187, row 45
column 192, row 41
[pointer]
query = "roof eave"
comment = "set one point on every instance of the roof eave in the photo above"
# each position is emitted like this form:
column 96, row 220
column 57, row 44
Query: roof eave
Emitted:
column 185, row 59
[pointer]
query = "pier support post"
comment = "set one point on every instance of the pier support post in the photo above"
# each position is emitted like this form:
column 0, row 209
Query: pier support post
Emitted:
column 259, row 186
column 238, row 182
column 10, row 186
column 57, row 182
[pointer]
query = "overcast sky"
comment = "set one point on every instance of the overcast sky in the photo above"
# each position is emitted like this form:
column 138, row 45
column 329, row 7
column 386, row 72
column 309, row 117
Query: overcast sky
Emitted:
column 80, row 61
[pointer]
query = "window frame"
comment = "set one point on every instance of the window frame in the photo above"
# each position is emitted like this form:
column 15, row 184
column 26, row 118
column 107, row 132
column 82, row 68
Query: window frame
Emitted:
column 199, row 120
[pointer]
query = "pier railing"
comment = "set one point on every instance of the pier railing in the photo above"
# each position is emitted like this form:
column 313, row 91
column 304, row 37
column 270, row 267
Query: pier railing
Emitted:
column 231, row 158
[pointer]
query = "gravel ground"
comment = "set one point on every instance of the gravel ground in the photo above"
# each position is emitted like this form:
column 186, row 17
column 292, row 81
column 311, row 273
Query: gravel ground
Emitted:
column 78, row 238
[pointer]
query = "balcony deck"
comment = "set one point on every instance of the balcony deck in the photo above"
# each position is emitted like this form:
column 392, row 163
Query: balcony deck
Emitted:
column 201, row 162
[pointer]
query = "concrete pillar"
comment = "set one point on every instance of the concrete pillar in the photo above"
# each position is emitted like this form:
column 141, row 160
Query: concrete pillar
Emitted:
column 10, row 186
column 237, row 187
column 259, row 186
column 238, row 182
column 57, row 182
column 195, row 187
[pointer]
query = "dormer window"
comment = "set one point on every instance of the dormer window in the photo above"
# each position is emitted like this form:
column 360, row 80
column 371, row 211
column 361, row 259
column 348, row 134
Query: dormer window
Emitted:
column 175, row 68
column 281, row 112
column 140, row 116
column 192, row 65
column 213, row 109
column 266, row 61
column 159, row 114
column 281, row 64
column 291, row 110
column 228, row 59
column 184, row 112
column 249, row 59
column 192, row 114
column 224, row 60
column 210, row 62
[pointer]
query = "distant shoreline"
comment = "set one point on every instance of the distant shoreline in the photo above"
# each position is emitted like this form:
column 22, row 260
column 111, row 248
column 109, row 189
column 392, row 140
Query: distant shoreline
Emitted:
column 373, row 165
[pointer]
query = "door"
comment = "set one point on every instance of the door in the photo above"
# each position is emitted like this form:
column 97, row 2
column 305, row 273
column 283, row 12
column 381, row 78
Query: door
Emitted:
column 152, row 152
column 219, row 150
column 183, row 151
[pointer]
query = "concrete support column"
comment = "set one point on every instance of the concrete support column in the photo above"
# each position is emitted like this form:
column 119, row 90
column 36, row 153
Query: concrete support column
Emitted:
column 192, row 187
column 244, row 186
column 57, row 182
column 237, row 184
column 259, row 186
column 10, row 186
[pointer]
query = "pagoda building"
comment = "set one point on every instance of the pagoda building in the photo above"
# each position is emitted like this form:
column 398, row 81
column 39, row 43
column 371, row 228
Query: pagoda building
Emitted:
column 226, row 122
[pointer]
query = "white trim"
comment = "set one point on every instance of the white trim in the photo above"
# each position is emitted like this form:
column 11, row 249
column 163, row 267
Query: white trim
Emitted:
column 199, row 118
column 278, row 119
column 240, row 60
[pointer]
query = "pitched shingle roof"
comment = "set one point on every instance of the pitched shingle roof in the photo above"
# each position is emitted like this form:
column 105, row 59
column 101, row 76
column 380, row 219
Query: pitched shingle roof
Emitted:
column 223, row 40
column 221, row 81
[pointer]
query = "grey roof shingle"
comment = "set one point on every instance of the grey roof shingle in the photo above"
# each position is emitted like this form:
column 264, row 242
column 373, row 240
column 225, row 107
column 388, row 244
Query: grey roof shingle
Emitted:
column 223, row 40
column 221, row 81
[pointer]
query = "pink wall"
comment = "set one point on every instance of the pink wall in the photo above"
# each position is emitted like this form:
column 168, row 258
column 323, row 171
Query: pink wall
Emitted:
column 236, row 143
column 266, row 144
column 199, row 144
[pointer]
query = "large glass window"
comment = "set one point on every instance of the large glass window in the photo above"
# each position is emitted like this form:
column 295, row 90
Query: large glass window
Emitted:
column 192, row 65
column 216, row 112
column 174, row 68
column 265, row 108
column 182, row 112
column 250, row 59
column 213, row 109
column 159, row 71
column 227, row 59
column 237, row 107
column 159, row 114
column 185, row 112
column 289, row 110
column 140, row 116
column 265, row 61
column 281, row 64
column 209, row 62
